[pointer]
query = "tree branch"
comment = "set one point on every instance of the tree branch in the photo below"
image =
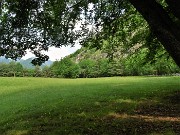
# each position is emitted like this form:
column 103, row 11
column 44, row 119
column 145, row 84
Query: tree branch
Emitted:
column 167, row 31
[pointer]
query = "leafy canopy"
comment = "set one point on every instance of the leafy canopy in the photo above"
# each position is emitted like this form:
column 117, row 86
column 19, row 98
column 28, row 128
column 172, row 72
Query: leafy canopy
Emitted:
column 36, row 25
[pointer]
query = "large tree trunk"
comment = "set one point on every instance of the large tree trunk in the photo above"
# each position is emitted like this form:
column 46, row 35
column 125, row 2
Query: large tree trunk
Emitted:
column 164, row 28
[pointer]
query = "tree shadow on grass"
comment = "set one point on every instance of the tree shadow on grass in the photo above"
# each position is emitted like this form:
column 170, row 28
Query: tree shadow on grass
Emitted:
column 141, row 125
column 168, row 106
column 158, row 115
column 150, row 116
column 173, row 98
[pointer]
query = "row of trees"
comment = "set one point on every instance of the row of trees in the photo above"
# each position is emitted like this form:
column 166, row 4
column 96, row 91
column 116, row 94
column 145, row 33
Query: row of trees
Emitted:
column 11, row 69
column 15, row 69
column 87, row 68
column 129, row 66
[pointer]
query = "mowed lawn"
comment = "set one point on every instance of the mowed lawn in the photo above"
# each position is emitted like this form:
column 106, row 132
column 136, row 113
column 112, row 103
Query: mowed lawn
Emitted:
column 97, row 106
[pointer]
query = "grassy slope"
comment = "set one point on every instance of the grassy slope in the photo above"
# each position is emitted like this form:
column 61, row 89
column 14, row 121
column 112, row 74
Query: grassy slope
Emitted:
column 88, row 106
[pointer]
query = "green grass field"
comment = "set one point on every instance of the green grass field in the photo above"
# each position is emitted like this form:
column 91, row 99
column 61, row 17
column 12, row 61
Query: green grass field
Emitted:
column 102, row 106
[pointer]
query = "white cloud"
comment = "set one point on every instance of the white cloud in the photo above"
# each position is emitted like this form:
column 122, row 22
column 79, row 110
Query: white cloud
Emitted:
column 28, row 55
column 56, row 53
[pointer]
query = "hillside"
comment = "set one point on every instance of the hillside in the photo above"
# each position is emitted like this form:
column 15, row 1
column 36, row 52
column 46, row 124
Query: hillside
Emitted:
column 94, row 54
column 115, row 63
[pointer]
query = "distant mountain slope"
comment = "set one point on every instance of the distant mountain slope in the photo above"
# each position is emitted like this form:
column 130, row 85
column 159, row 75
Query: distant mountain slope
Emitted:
column 86, row 53
column 25, row 63
column 4, row 60
column 97, row 54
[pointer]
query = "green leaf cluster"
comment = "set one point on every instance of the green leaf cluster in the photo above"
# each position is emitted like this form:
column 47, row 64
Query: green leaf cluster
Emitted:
column 65, row 68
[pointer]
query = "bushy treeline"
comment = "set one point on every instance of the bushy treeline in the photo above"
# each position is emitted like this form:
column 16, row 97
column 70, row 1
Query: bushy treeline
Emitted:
column 11, row 69
column 15, row 69
column 130, row 66
column 89, row 68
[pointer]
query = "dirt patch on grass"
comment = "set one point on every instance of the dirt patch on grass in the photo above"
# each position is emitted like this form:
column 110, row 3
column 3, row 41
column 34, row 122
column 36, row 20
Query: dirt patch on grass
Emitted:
column 130, row 101
column 145, row 117
column 17, row 132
